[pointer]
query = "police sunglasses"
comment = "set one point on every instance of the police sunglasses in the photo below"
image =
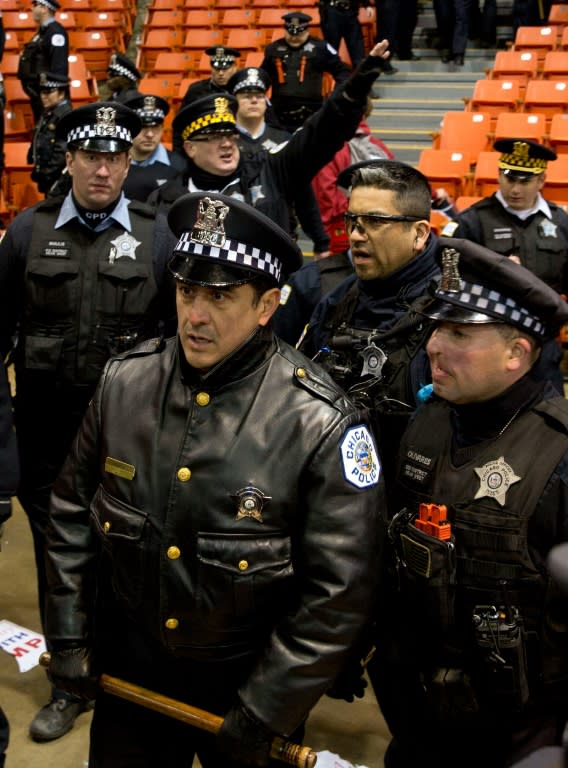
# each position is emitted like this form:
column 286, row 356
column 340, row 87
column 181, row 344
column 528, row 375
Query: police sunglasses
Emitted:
column 365, row 221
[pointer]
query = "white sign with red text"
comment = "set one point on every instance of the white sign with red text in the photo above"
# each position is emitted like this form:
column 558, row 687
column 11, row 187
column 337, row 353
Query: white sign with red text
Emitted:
column 24, row 644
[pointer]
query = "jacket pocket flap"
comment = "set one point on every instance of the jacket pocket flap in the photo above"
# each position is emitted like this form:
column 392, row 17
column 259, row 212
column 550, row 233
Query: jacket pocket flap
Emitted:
column 115, row 518
column 124, row 269
column 49, row 268
column 244, row 554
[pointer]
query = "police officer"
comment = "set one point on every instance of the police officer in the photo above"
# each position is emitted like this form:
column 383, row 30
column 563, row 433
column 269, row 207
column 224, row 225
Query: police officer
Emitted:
column 233, row 527
column 396, row 20
column 123, row 78
column 224, row 64
column 267, row 180
column 340, row 20
column 452, row 19
column 473, row 659
column 249, row 86
column 47, row 51
column 366, row 332
column 151, row 164
column 296, row 64
column 519, row 223
column 47, row 152
column 81, row 278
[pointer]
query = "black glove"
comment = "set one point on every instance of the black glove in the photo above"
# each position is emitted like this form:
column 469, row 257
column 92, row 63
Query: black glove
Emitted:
column 245, row 739
column 350, row 683
column 70, row 670
column 361, row 81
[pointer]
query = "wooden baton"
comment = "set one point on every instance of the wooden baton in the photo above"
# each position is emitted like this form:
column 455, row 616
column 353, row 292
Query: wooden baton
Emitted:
column 285, row 751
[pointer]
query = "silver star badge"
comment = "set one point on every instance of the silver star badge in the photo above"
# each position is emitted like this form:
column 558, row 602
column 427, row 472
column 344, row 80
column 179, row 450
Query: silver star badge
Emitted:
column 123, row 245
column 495, row 479
column 251, row 501
column 548, row 228
column 374, row 358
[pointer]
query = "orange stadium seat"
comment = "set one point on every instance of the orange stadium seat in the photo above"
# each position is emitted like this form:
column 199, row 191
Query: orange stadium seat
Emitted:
column 96, row 49
column 204, row 19
column 10, row 63
column 68, row 19
column 17, row 100
column 494, row 97
column 154, row 42
column 558, row 134
column 512, row 125
column 547, row 97
column 555, row 66
column 467, row 132
column 438, row 221
column 515, row 65
column 12, row 43
column 247, row 39
column 15, row 126
column 165, row 87
column 556, row 184
column 563, row 42
column 253, row 58
column 11, row 5
column 558, row 14
column 181, row 91
column 486, row 173
column 111, row 23
column 271, row 18
column 80, row 92
column 164, row 18
column 465, row 201
column 537, row 39
column 175, row 65
column 21, row 23
column 238, row 17
column 200, row 39
column 16, row 180
column 445, row 168
column 166, row 5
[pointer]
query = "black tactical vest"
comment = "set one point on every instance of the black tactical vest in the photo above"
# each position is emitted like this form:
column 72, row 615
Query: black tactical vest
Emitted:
column 88, row 295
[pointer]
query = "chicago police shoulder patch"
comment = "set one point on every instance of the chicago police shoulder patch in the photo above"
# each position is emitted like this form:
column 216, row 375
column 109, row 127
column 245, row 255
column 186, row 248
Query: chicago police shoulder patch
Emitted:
column 361, row 465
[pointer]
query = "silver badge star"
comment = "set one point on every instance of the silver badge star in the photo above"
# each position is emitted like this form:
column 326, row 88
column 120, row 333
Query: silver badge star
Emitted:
column 374, row 359
column 124, row 245
column 495, row 479
column 548, row 228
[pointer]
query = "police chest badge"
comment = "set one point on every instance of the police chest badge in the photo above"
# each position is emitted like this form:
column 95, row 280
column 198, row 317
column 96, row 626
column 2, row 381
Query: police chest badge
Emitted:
column 123, row 245
column 361, row 466
column 373, row 360
column 251, row 502
column 547, row 228
column 495, row 479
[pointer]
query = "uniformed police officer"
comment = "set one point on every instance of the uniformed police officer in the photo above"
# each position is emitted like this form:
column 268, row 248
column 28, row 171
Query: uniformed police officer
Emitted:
column 473, row 659
column 81, row 278
column 296, row 64
column 224, row 64
column 366, row 332
column 47, row 51
column 47, row 152
column 151, row 164
column 519, row 223
column 267, row 180
column 233, row 526
column 249, row 86
column 122, row 79
column 340, row 20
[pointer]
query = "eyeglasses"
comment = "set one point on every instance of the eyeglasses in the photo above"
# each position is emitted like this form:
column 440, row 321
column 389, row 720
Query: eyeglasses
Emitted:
column 364, row 222
column 212, row 138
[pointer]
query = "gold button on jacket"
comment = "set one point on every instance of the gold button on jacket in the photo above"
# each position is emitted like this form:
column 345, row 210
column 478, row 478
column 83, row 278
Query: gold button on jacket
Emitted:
column 173, row 553
column 172, row 624
column 202, row 398
column 184, row 474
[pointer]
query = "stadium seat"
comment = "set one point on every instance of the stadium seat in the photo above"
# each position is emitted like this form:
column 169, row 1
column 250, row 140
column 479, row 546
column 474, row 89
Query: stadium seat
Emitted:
column 253, row 58
column 246, row 39
column 515, row 65
column 238, row 17
column 556, row 184
column 17, row 100
column 154, row 42
column 175, row 65
column 10, row 62
column 486, row 174
column 15, row 126
column 164, row 18
column 21, row 23
column 200, row 39
column 537, row 39
column 558, row 14
column 546, row 96
column 465, row 201
column 494, row 97
column 558, row 134
column 165, row 87
column 204, row 19
column 17, row 176
column 445, row 168
column 466, row 132
column 524, row 125
column 11, row 5
column 168, row 5
column 181, row 91
column 68, row 19
column 11, row 43
column 80, row 92
column 438, row 221
column 271, row 18
column 96, row 49
column 111, row 23
column 555, row 66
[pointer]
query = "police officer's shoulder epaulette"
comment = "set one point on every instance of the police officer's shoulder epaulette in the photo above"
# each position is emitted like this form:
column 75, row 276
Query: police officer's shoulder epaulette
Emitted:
column 555, row 410
column 310, row 376
column 142, row 208
column 148, row 347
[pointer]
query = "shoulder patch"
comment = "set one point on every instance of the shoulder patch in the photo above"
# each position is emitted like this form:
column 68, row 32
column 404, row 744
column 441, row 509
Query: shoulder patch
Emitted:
column 285, row 294
column 359, row 458
column 58, row 41
column 450, row 228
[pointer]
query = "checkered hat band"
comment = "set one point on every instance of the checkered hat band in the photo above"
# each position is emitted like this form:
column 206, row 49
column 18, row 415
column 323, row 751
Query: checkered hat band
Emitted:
column 205, row 121
column 154, row 114
column 478, row 298
column 233, row 252
column 52, row 84
column 531, row 166
column 94, row 132
column 120, row 69
column 47, row 4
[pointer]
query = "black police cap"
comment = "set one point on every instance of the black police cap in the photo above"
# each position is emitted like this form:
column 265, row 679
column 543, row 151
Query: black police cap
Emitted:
column 104, row 126
column 224, row 241
column 150, row 109
column 222, row 57
column 296, row 21
column 249, row 79
column 210, row 114
column 481, row 286
column 523, row 157
column 53, row 5
column 121, row 66
column 51, row 81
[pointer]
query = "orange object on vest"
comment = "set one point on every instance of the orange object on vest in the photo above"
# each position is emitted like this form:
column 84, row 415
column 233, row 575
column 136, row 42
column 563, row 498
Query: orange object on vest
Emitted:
column 432, row 519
